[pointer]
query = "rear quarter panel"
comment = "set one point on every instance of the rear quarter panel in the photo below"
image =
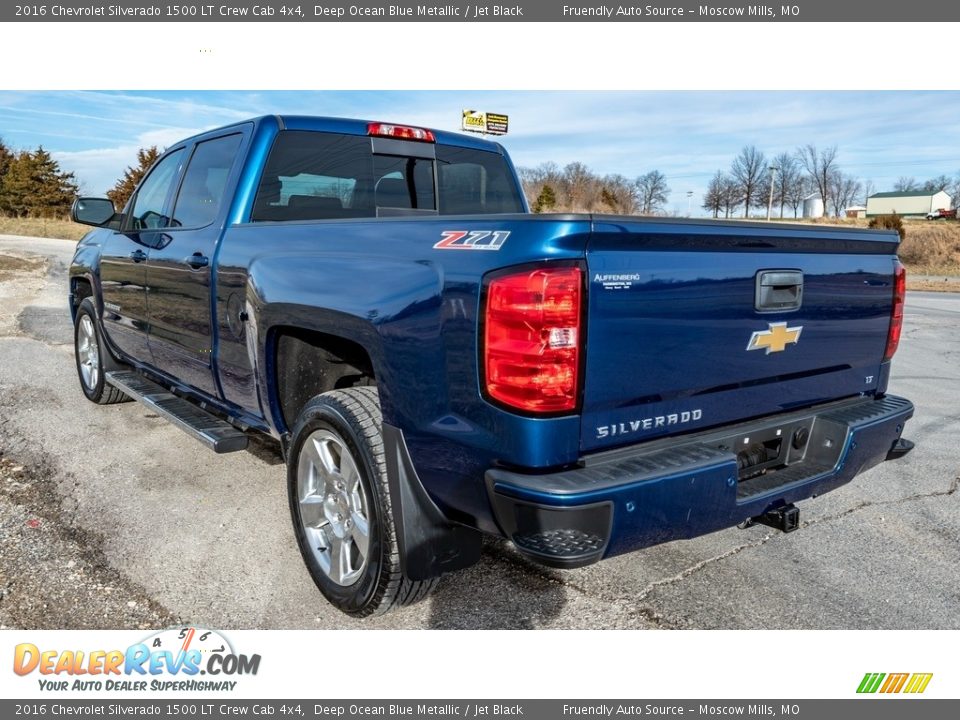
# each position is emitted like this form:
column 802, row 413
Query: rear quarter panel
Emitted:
column 382, row 284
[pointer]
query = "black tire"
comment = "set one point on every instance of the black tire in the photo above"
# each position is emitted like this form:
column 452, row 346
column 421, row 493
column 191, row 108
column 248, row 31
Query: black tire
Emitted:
column 93, row 359
column 352, row 418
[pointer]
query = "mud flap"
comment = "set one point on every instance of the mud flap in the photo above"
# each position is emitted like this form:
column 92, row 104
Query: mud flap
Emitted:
column 430, row 545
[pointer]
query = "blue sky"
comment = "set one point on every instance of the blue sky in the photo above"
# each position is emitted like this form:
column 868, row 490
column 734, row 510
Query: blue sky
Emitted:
column 686, row 135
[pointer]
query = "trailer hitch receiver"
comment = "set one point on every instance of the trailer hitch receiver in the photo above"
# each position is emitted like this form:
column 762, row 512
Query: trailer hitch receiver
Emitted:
column 786, row 518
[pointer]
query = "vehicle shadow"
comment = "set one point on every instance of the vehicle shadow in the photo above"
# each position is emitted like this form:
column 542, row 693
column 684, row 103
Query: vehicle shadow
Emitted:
column 265, row 449
column 502, row 591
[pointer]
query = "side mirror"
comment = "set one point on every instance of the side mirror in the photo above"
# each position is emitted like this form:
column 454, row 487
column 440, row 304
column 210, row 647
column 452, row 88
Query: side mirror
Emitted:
column 93, row 211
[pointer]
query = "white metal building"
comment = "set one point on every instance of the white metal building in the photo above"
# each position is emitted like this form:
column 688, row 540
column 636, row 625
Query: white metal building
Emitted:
column 917, row 203
column 813, row 206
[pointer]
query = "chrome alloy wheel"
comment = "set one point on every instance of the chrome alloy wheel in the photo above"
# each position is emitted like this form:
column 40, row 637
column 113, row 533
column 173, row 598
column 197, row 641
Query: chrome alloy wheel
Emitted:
column 334, row 508
column 88, row 353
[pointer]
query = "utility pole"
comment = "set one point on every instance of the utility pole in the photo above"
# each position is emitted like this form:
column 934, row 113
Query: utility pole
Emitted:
column 689, row 200
column 773, row 173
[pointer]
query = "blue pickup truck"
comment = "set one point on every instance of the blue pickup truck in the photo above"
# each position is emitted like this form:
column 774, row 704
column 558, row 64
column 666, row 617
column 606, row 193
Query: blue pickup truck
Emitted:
column 438, row 364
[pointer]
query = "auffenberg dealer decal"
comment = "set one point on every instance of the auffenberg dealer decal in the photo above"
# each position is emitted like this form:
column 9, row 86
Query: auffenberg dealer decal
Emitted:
column 651, row 423
column 472, row 239
column 616, row 281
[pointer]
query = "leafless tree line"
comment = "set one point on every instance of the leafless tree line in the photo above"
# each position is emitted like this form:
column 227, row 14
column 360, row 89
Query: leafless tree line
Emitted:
column 795, row 176
column 575, row 188
column 745, row 187
column 934, row 184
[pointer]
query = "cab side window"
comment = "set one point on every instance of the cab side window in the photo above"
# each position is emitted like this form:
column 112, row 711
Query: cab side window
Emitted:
column 148, row 206
column 205, row 181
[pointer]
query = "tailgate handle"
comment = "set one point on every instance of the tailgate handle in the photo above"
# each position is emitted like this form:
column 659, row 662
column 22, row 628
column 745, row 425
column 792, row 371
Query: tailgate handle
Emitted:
column 778, row 290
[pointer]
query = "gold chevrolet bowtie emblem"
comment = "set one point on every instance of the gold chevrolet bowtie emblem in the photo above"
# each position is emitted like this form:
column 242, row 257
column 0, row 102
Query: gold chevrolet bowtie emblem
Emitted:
column 775, row 339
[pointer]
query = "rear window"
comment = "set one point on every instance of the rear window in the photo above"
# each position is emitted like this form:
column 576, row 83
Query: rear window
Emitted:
column 473, row 181
column 322, row 176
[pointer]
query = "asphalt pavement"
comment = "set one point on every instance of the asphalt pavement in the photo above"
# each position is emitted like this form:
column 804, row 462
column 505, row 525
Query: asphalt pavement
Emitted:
column 111, row 517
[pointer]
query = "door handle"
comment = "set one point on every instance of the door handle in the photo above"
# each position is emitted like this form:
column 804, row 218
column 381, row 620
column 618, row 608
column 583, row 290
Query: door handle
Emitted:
column 138, row 256
column 197, row 261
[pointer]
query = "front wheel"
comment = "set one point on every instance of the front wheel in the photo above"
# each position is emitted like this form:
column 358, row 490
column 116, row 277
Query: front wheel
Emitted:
column 340, row 505
column 93, row 358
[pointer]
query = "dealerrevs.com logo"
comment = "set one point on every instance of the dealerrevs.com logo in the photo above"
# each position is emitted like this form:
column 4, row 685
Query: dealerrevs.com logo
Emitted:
column 169, row 660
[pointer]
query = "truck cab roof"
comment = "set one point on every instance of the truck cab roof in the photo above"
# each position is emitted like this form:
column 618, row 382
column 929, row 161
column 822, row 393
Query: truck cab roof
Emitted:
column 352, row 126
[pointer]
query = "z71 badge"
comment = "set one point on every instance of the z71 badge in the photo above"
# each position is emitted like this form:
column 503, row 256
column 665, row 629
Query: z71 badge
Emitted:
column 472, row 239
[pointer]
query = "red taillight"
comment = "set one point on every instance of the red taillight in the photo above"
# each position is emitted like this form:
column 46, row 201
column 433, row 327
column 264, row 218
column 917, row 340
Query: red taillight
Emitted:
column 403, row 132
column 896, row 315
column 532, row 337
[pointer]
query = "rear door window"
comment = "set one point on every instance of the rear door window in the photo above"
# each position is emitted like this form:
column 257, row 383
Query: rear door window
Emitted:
column 315, row 176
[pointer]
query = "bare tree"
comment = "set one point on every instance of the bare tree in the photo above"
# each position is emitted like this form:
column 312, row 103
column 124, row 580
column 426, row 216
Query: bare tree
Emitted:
column 652, row 192
column 905, row 184
column 798, row 192
column 731, row 196
column 868, row 189
column 843, row 191
column 713, row 200
column 954, row 191
column 619, row 194
column 544, row 172
column 749, row 170
column 937, row 184
column 819, row 165
column 787, row 177
column 576, row 188
column 531, row 176
column 850, row 190
column 535, row 180
column 578, row 181
column 573, row 188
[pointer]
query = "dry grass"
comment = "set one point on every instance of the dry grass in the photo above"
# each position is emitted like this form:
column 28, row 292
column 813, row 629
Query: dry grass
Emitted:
column 42, row 227
column 847, row 222
column 934, row 284
column 932, row 248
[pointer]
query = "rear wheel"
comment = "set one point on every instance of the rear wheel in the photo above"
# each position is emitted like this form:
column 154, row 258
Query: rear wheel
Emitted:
column 340, row 504
column 93, row 358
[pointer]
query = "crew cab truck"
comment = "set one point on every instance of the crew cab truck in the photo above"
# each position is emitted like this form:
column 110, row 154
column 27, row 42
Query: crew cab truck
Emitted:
column 438, row 364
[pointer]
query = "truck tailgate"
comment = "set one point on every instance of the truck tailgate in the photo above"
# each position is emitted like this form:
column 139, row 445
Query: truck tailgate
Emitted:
column 673, row 308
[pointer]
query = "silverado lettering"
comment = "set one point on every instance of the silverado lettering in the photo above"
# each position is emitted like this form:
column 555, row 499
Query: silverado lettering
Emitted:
column 649, row 423
column 286, row 277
